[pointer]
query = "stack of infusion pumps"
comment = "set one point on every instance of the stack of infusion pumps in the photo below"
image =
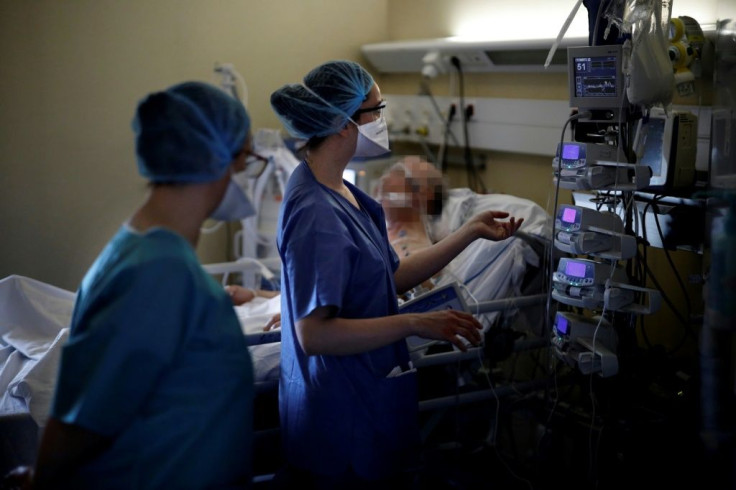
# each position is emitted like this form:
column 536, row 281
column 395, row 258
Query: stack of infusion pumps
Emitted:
column 596, row 282
column 592, row 278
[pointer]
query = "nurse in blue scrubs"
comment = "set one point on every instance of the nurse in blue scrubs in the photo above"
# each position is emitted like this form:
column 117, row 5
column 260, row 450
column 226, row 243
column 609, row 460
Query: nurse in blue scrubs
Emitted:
column 155, row 387
column 348, row 397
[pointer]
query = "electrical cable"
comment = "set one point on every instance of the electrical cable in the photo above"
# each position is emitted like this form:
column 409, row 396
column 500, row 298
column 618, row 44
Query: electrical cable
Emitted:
column 665, row 298
column 430, row 157
column 442, row 161
column 425, row 90
column 653, row 205
column 655, row 208
column 491, row 436
column 601, row 6
column 475, row 183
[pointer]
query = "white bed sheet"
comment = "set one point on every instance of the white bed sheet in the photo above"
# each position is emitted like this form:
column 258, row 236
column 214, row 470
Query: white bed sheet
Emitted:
column 492, row 270
column 34, row 324
column 33, row 327
column 253, row 316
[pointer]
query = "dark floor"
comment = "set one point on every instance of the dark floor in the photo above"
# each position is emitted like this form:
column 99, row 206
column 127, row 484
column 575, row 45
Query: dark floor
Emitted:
column 639, row 429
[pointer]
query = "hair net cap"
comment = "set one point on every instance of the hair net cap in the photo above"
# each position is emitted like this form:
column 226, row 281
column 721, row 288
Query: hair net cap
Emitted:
column 330, row 95
column 189, row 132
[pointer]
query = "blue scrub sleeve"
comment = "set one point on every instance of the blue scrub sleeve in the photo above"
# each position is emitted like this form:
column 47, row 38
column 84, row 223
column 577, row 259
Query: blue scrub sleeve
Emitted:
column 320, row 265
column 127, row 338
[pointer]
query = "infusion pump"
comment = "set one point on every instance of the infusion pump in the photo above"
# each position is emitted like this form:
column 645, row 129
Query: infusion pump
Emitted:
column 582, row 282
column 594, row 166
column 580, row 230
column 586, row 343
column 595, row 285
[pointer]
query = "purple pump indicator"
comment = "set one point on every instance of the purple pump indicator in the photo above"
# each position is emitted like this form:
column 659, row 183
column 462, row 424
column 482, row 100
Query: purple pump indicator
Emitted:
column 570, row 152
column 569, row 214
column 575, row 269
column 562, row 326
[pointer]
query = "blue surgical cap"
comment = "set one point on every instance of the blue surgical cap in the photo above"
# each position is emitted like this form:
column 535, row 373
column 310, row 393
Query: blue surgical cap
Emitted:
column 189, row 132
column 331, row 93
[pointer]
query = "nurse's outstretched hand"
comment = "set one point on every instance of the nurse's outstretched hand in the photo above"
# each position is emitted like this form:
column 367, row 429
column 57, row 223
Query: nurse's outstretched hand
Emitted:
column 487, row 225
column 447, row 325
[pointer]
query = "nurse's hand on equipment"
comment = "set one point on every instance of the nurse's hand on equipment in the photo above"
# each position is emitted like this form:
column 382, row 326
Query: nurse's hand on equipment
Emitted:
column 447, row 325
column 485, row 224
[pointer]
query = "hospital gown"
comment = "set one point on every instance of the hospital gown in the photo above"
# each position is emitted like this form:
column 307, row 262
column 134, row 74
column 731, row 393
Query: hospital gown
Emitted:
column 346, row 411
column 156, row 361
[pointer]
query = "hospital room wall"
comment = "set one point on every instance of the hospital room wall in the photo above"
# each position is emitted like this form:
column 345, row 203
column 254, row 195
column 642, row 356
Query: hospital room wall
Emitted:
column 523, row 175
column 72, row 73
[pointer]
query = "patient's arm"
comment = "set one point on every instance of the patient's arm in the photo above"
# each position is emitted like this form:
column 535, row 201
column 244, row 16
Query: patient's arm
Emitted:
column 241, row 295
column 64, row 448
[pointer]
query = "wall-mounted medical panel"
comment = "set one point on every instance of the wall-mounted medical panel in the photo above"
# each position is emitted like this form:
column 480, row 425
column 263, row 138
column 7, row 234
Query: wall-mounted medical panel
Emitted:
column 475, row 56
column 514, row 125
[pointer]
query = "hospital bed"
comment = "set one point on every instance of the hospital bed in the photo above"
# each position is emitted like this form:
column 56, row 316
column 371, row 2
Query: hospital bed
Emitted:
column 502, row 283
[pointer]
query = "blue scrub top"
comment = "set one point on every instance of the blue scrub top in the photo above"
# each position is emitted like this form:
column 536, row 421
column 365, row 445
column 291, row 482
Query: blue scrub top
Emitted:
column 156, row 360
column 340, row 412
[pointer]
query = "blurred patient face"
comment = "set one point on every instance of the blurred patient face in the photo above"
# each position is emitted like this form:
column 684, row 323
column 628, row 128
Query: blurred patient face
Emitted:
column 396, row 197
column 427, row 183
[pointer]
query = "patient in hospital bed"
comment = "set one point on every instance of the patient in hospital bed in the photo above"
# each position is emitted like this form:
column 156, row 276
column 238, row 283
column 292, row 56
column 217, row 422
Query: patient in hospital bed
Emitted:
column 421, row 210
column 412, row 193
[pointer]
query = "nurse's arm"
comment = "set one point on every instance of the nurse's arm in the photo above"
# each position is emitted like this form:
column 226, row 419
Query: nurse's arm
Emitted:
column 63, row 449
column 322, row 333
column 425, row 263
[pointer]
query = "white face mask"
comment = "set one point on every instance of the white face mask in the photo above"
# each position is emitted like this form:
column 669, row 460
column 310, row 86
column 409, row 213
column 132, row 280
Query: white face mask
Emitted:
column 235, row 205
column 372, row 139
column 397, row 199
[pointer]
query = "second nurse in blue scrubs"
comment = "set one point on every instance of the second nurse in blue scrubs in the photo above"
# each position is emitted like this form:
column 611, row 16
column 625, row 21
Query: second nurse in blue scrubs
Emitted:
column 348, row 398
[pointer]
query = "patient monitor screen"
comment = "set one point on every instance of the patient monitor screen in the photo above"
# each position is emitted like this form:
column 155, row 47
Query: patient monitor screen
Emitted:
column 595, row 76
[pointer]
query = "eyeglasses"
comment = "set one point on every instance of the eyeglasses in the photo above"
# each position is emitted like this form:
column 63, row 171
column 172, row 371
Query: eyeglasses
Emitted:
column 255, row 164
column 376, row 111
